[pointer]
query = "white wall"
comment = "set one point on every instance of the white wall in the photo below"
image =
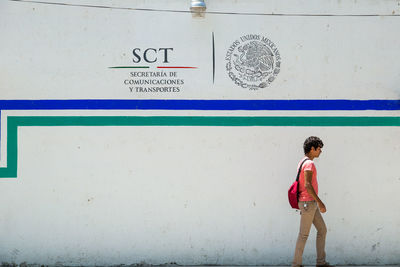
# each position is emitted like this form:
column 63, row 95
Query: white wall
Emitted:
column 196, row 195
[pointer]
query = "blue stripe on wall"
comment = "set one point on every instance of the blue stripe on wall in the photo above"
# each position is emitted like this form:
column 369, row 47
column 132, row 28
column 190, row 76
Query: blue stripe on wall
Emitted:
column 107, row 104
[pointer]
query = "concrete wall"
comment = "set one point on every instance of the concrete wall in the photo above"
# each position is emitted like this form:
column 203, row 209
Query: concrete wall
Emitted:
column 108, row 194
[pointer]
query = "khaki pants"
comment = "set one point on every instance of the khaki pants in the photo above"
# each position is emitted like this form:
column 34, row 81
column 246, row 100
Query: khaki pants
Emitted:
column 310, row 215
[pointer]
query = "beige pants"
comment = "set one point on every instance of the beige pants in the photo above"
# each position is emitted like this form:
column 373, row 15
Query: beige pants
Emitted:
column 310, row 215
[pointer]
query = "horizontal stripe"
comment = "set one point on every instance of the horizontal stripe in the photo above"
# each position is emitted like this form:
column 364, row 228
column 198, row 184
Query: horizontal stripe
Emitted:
column 129, row 67
column 200, row 121
column 168, row 67
column 161, row 104
column 14, row 122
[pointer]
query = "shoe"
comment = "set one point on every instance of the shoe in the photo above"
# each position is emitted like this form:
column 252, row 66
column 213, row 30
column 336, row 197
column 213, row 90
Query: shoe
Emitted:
column 326, row 264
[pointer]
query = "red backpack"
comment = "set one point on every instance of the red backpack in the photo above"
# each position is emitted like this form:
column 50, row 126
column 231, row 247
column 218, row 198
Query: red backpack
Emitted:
column 293, row 192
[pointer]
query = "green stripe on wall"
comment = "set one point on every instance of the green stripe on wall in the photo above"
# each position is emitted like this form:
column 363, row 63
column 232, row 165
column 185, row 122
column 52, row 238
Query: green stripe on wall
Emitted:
column 13, row 122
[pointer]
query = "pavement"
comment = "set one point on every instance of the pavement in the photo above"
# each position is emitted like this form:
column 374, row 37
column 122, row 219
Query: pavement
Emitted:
column 287, row 265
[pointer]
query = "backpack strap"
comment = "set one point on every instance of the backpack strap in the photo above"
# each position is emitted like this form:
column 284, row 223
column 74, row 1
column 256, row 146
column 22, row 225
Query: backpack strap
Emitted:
column 301, row 165
column 297, row 178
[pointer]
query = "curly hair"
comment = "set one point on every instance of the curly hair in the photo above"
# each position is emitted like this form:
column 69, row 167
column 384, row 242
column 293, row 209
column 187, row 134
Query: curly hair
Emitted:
column 310, row 142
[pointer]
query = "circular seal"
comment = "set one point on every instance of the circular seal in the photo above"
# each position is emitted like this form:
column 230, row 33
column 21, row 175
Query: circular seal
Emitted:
column 253, row 61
